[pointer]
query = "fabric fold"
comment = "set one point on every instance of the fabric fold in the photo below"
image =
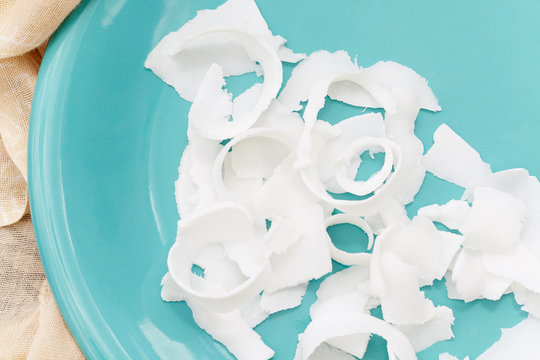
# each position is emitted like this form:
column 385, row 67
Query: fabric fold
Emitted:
column 31, row 326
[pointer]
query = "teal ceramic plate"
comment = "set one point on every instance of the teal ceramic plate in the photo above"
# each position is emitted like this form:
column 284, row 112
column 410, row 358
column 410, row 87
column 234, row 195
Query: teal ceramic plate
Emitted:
column 106, row 137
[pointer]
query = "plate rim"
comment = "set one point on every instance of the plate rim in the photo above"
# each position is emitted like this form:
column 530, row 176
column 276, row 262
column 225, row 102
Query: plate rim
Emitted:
column 81, row 315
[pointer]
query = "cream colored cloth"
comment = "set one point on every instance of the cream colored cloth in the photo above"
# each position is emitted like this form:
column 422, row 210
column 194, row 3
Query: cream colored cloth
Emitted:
column 31, row 327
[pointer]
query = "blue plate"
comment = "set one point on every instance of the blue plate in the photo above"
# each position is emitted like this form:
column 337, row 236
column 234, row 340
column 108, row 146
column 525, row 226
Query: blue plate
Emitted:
column 106, row 138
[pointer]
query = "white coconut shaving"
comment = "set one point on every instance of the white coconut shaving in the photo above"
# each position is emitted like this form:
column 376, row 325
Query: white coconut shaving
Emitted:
column 234, row 332
column 347, row 131
column 519, row 183
column 293, row 195
column 447, row 356
column 439, row 328
column 308, row 258
column 391, row 75
column 347, row 292
column 452, row 214
column 252, row 312
column 404, row 240
column 256, row 194
column 354, row 302
column 519, row 342
column 342, row 256
column 352, row 153
column 283, row 299
column 325, row 352
column 494, row 222
column 451, row 158
column 511, row 254
column 333, row 325
column 470, row 280
column 519, row 265
column 184, row 64
column 278, row 140
column 317, row 66
column 402, row 302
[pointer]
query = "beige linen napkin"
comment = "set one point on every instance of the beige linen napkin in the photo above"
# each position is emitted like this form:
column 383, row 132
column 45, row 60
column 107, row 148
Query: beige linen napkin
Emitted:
column 31, row 326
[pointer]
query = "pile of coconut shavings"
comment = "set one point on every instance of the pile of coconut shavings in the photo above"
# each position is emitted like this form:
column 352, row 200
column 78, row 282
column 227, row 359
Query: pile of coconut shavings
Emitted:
column 254, row 199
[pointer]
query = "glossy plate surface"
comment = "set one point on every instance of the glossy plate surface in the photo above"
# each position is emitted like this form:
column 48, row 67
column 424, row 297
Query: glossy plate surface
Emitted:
column 106, row 138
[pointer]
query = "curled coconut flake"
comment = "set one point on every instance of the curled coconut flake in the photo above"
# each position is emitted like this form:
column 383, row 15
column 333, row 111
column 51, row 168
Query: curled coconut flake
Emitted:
column 215, row 124
column 318, row 65
column 327, row 327
column 321, row 64
column 353, row 302
column 452, row 159
column 351, row 129
column 224, row 223
column 214, row 301
column 390, row 75
column 365, row 207
column 317, row 99
column 217, row 169
column 353, row 151
column 402, row 108
column 185, row 70
column 345, row 257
